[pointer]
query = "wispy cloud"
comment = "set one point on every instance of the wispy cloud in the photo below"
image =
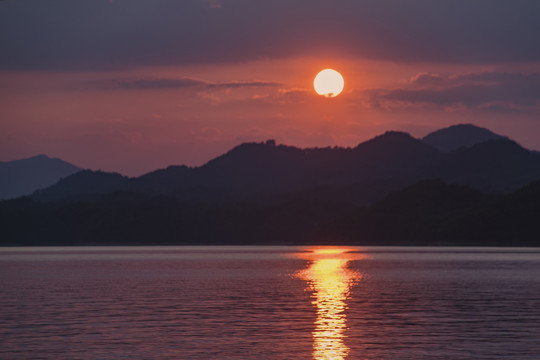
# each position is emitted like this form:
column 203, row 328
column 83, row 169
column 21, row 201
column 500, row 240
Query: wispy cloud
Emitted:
column 482, row 91
column 239, row 84
column 167, row 83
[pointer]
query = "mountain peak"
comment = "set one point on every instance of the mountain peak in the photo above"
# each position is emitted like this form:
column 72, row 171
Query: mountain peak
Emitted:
column 40, row 156
column 392, row 140
column 460, row 135
column 24, row 176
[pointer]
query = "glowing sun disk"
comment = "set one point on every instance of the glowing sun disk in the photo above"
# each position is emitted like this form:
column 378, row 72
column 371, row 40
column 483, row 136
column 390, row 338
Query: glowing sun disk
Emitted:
column 328, row 83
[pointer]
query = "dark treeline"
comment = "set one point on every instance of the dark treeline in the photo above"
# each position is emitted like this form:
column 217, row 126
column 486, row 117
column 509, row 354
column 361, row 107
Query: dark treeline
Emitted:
column 429, row 212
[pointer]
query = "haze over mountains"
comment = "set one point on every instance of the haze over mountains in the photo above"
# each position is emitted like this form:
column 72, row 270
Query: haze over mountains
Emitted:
column 23, row 177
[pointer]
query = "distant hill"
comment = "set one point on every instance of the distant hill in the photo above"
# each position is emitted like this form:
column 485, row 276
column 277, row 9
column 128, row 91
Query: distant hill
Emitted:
column 390, row 190
column 262, row 169
column 269, row 166
column 367, row 172
column 457, row 136
column 23, row 177
column 495, row 166
column 83, row 185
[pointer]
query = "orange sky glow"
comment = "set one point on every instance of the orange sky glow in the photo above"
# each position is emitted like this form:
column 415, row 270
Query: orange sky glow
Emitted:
column 142, row 128
column 163, row 83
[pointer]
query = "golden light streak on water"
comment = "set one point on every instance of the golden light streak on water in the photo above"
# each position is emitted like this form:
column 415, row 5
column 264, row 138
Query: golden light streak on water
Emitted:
column 330, row 281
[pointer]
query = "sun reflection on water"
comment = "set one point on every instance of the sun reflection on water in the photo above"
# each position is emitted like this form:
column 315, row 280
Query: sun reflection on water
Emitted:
column 330, row 281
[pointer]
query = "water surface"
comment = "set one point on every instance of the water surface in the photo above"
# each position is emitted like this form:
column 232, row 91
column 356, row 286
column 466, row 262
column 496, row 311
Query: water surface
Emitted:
column 269, row 303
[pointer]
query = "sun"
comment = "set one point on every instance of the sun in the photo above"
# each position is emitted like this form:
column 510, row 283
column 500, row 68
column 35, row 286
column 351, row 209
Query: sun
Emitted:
column 328, row 83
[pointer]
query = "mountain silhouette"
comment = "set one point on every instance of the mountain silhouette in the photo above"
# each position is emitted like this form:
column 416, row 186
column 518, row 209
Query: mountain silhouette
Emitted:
column 509, row 220
column 432, row 194
column 457, row 136
column 429, row 212
column 382, row 164
column 23, row 177
column 390, row 190
column 262, row 169
column 495, row 165
column 83, row 185
column 414, row 215
column 391, row 155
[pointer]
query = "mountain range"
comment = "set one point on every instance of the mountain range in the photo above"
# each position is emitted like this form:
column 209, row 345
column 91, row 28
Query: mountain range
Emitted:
column 387, row 162
column 391, row 190
column 429, row 212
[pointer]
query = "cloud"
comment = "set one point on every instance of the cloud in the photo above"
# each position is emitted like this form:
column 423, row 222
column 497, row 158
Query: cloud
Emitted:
column 98, row 34
column 483, row 91
column 427, row 79
column 239, row 84
column 166, row 83
column 151, row 84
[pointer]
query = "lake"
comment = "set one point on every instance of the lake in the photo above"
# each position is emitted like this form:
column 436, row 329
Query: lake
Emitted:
column 269, row 303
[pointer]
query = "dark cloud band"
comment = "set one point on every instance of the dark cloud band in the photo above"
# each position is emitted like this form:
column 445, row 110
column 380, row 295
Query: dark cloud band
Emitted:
column 98, row 34
column 488, row 90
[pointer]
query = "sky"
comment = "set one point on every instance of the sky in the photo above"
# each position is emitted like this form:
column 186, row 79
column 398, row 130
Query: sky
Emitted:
column 136, row 85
